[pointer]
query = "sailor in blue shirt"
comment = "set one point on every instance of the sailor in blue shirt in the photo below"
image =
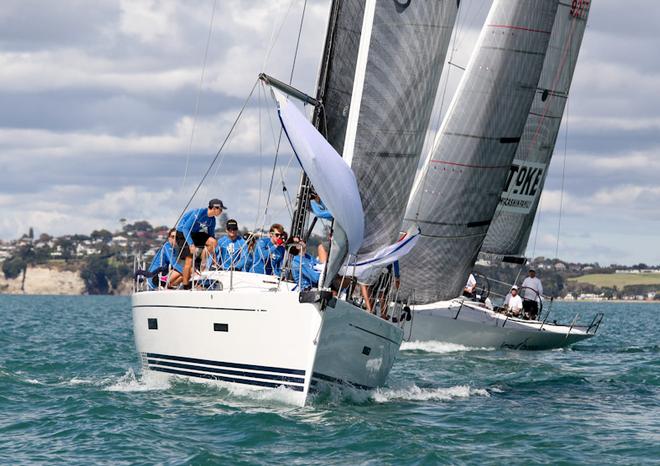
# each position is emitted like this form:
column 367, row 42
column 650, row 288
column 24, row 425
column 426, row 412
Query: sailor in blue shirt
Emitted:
column 231, row 251
column 196, row 229
column 269, row 252
column 304, row 268
column 319, row 209
column 166, row 258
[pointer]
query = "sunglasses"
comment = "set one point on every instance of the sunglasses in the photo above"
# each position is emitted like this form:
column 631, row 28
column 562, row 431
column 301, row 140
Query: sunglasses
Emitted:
column 172, row 236
column 276, row 235
column 232, row 229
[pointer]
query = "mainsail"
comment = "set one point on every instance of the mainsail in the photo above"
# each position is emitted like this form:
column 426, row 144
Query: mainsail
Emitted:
column 455, row 198
column 509, row 232
column 386, row 57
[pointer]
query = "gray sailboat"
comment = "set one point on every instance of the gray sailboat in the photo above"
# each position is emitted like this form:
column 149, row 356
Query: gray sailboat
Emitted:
column 504, row 117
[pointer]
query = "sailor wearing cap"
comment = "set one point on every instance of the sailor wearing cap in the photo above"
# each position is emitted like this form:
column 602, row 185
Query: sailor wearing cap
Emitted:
column 196, row 229
column 231, row 251
column 513, row 302
column 532, row 292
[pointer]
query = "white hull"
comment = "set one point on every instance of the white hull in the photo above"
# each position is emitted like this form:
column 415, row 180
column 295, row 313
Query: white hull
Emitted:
column 471, row 324
column 259, row 336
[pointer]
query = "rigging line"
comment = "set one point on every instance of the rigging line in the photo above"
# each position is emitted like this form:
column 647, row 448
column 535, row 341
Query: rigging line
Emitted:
column 199, row 92
column 295, row 53
column 279, row 141
column 538, row 223
column 274, row 37
column 261, row 102
column 563, row 178
column 222, row 146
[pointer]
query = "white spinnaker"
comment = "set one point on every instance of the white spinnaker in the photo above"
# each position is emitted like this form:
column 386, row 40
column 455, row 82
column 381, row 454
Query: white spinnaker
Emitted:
column 331, row 177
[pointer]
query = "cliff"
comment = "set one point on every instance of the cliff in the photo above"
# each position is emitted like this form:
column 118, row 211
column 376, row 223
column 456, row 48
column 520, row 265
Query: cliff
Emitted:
column 52, row 281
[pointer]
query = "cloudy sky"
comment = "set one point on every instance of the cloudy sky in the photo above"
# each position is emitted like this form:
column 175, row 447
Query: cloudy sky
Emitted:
column 107, row 112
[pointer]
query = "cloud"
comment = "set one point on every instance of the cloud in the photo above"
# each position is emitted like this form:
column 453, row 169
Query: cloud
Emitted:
column 98, row 103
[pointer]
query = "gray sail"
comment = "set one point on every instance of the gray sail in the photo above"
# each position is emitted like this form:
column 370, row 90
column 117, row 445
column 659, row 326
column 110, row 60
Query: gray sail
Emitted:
column 383, row 74
column 455, row 198
column 512, row 224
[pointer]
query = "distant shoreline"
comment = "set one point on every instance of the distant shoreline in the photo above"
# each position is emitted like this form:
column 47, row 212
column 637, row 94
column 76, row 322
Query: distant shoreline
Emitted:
column 613, row 301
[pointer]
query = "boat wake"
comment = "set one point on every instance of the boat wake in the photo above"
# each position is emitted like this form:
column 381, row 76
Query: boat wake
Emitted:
column 439, row 347
column 415, row 393
column 129, row 382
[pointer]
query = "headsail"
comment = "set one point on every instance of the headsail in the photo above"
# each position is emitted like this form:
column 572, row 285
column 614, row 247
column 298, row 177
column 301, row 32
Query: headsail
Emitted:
column 331, row 176
column 455, row 198
column 364, row 265
column 383, row 74
column 509, row 232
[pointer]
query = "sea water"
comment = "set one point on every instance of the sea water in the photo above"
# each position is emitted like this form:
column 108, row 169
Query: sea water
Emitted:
column 71, row 392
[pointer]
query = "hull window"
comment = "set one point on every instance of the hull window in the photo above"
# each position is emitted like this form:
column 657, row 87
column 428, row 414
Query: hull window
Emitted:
column 220, row 327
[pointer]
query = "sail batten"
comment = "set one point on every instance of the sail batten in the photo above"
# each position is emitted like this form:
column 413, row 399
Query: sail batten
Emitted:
column 512, row 224
column 455, row 198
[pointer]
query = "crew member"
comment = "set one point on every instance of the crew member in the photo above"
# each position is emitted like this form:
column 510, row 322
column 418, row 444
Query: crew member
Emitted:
column 269, row 252
column 513, row 302
column 166, row 258
column 196, row 229
column 306, row 270
column 231, row 251
column 532, row 291
column 470, row 287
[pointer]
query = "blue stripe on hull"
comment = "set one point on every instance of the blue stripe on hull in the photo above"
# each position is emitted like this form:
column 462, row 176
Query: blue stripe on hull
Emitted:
column 225, row 379
column 217, row 370
column 233, row 365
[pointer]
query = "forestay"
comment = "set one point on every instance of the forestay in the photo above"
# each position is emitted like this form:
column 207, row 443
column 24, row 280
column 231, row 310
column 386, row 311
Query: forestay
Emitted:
column 509, row 232
column 383, row 74
column 331, row 176
column 456, row 196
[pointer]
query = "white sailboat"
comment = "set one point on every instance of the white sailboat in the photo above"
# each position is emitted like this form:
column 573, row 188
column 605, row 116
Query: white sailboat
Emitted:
column 506, row 115
column 263, row 332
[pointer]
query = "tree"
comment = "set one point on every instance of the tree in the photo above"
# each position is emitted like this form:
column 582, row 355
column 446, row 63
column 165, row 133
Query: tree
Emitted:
column 101, row 235
column 102, row 274
column 13, row 266
column 67, row 247
column 45, row 237
column 94, row 275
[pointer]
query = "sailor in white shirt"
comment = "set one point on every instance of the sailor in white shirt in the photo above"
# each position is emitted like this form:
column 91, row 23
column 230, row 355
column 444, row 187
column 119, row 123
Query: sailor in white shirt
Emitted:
column 513, row 302
column 532, row 291
column 470, row 287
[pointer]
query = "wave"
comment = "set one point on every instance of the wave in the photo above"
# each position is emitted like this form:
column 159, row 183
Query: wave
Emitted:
column 415, row 393
column 439, row 347
column 130, row 383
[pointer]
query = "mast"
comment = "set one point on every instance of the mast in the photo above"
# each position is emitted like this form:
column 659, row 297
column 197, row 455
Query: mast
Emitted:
column 304, row 190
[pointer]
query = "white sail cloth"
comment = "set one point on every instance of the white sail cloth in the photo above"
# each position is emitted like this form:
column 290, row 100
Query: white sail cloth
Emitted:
column 331, row 177
column 365, row 264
